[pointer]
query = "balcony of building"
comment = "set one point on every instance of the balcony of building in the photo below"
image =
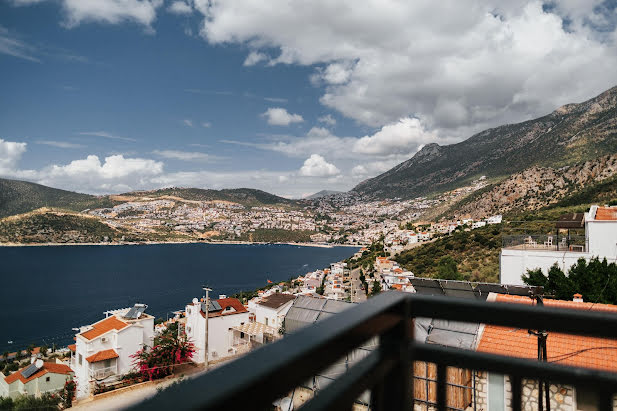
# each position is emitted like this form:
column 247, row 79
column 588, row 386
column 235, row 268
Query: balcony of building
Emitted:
column 374, row 361
column 545, row 242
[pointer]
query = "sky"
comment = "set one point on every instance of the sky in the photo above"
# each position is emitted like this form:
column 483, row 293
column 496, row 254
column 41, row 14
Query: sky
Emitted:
column 291, row 97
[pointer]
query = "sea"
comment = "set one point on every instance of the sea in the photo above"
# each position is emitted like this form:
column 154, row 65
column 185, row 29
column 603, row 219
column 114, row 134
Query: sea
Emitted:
column 47, row 291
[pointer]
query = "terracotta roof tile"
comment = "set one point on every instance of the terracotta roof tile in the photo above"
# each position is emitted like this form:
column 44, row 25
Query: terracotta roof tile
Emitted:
column 102, row 356
column 72, row 347
column 606, row 214
column 48, row 367
column 103, row 326
column 567, row 349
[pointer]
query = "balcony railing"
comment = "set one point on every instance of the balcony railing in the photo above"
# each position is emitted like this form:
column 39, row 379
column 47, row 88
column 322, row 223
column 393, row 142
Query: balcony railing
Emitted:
column 273, row 371
column 545, row 242
column 102, row 373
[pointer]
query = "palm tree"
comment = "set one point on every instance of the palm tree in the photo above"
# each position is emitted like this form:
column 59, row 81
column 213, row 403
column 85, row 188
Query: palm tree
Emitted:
column 5, row 355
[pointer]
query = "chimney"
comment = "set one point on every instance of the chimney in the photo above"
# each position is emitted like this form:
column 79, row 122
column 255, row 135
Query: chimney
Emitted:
column 577, row 298
column 222, row 296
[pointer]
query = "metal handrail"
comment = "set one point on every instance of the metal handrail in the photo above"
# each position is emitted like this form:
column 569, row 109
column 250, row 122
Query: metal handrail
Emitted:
column 257, row 379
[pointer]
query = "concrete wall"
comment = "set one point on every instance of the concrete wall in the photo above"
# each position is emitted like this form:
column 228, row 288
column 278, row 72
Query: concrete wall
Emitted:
column 602, row 237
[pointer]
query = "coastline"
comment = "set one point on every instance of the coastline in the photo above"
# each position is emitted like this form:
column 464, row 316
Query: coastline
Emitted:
column 318, row 245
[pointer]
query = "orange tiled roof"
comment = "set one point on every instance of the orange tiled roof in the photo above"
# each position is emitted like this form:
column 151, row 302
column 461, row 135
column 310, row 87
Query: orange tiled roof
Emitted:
column 606, row 214
column 72, row 347
column 103, row 355
column 103, row 326
column 566, row 349
column 48, row 367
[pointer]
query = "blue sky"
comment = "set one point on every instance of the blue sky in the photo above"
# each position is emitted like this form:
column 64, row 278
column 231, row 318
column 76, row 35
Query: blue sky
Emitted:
column 106, row 96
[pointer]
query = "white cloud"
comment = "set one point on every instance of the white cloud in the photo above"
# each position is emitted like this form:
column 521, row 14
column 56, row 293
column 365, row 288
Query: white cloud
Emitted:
column 254, row 58
column 187, row 122
column 470, row 66
column 402, row 137
column 111, row 11
column 115, row 174
column 185, row 155
column 180, row 7
column 317, row 166
column 278, row 116
column 206, row 124
column 13, row 46
column 25, row 2
column 327, row 119
column 105, row 134
column 10, row 154
column 59, row 144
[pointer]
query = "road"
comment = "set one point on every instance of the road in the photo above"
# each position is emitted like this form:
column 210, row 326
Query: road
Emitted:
column 358, row 294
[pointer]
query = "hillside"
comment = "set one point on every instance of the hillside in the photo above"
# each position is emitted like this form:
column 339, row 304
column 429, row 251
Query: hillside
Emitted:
column 539, row 187
column 571, row 134
column 46, row 226
column 322, row 193
column 245, row 196
column 18, row 197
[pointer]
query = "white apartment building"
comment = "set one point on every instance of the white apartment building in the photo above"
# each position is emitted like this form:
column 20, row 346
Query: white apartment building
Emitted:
column 271, row 310
column 102, row 351
column 224, row 316
column 600, row 241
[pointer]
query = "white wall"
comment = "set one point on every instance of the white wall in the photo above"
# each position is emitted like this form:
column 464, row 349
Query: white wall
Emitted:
column 515, row 263
column 602, row 237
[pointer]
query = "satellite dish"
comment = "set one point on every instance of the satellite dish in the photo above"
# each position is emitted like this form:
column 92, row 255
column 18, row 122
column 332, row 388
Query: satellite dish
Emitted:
column 195, row 300
column 38, row 363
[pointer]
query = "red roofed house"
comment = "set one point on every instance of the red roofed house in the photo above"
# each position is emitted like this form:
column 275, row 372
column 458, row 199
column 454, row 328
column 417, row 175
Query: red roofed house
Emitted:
column 572, row 350
column 600, row 241
column 223, row 315
column 102, row 351
column 36, row 379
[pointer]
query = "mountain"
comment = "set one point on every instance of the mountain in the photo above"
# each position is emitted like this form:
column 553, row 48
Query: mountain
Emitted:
column 571, row 134
column 322, row 193
column 539, row 187
column 18, row 197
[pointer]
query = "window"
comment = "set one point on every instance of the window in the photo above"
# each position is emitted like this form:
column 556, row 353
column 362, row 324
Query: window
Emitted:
column 266, row 320
column 80, row 357
column 47, row 379
column 107, row 363
column 496, row 392
column 586, row 400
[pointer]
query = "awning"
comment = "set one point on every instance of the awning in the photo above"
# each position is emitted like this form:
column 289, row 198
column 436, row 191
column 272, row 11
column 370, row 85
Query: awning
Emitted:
column 255, row 329
column 102, row 356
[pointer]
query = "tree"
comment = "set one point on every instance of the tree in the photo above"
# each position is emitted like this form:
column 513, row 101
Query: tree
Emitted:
column 5, row 355
column 168, row 349
column 447, row 269
column 44, row 349
column 595, row 280
column 376, row 288
column 67, row 395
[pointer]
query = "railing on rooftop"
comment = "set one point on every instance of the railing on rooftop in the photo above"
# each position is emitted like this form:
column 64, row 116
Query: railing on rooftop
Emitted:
column 273, row 371
column 545, row 242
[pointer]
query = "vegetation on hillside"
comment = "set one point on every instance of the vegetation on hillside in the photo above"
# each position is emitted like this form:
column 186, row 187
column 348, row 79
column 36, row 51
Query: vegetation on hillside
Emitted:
column 272, row 235
column 56, row 228
column 17, row 197
column 464, row 255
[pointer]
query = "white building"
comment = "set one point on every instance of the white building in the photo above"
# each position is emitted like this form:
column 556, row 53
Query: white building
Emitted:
column 478, row 224
column 495, row 219
column 600, row 241
column 271, row 310
column 224, row 315
column 102, row 351
column 36, row 379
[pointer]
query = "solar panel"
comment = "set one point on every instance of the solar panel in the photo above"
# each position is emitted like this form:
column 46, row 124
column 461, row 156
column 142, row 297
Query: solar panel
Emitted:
column 214, row 306
column 426, row 286
column 136, row 311
column 31, row 370
column 460, row 289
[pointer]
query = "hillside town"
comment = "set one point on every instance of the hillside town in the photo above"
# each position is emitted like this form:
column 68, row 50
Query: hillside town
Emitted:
column 113, row 354
column 334, row 219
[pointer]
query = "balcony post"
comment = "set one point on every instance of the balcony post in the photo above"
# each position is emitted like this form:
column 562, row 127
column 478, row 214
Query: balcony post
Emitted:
column 395, row 391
